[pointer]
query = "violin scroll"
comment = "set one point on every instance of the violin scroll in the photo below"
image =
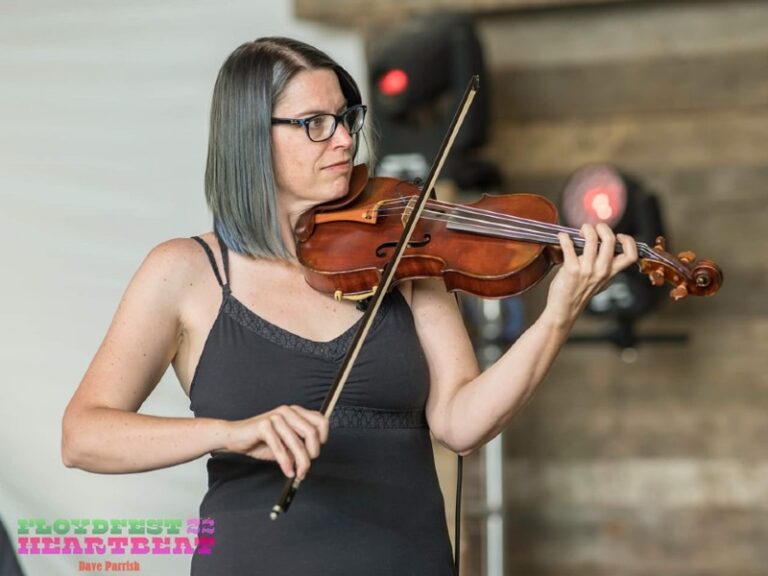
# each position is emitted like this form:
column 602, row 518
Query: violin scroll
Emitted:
column 685, row 273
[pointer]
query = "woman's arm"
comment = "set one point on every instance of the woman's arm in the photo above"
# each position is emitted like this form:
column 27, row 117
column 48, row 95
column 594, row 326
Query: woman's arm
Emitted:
column 101, row 431
column 465, row 409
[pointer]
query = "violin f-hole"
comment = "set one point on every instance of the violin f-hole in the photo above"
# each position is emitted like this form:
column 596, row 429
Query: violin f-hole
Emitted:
column 381, row 249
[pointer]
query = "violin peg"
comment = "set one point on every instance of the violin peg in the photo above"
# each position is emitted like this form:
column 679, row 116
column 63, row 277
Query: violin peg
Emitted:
column 661, row 244
column 679, row 292
column 686, row 257
column 656, row 277
column 654, row 273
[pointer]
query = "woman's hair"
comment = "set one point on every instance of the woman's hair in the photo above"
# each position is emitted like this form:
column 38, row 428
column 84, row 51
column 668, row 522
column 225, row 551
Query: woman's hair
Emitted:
column 239, row 178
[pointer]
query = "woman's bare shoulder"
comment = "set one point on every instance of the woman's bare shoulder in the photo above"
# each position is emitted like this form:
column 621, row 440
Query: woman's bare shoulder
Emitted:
column 179, row 252
column 183, row 254
column 175, row 264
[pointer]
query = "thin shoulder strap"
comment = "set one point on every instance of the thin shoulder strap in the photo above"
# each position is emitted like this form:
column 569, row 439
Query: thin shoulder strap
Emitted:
column 224, row 257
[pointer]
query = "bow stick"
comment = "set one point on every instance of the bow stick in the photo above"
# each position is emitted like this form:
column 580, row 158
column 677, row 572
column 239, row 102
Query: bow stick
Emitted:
column 292, row 484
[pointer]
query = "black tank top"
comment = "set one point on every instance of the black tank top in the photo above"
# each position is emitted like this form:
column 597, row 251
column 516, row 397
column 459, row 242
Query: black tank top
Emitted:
column 371, row 503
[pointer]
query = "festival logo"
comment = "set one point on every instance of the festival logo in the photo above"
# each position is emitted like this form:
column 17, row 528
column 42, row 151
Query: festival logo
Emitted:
column 114, row 537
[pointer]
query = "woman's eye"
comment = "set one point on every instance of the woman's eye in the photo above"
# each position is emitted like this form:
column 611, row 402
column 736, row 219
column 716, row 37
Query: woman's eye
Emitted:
column 316, row 122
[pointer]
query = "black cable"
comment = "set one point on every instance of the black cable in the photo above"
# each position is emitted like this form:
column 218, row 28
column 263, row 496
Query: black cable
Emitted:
column 457, row 532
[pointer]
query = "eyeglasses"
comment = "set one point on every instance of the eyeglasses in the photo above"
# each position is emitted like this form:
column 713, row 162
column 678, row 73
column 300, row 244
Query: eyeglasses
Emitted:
column 322, row 127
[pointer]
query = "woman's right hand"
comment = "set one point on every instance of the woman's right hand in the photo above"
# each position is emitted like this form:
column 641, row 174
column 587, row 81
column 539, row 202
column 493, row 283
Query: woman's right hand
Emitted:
column 102, row 430
column 289, row 435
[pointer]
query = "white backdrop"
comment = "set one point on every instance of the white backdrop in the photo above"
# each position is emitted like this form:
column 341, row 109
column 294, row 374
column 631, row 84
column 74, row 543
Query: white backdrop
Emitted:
column 103, row 131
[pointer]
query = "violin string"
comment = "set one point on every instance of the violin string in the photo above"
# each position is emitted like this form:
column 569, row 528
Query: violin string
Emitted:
column 490, row 214
column 499, row 228
column 643, row 248
column 502, row 220
column 578, row 240
column 572, row 232
column 495, row 228
column 549, row 230
column 527, row 232
column 452, row 212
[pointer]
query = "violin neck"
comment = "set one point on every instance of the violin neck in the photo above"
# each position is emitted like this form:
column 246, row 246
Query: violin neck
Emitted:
column 525, row 230
column 656, row 262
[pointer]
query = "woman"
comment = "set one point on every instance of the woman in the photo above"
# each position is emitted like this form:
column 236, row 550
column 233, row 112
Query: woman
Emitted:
column 256, row 348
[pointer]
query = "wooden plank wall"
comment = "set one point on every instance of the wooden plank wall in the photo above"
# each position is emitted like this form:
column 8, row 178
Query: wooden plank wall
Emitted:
column 373, row 14
column 658, row 466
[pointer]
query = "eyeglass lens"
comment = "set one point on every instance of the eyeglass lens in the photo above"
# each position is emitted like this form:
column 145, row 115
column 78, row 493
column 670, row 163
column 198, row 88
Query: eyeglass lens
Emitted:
column 323, row 126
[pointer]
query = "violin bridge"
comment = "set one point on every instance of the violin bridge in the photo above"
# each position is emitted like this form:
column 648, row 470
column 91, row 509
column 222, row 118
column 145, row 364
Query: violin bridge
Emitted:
column 408, row 210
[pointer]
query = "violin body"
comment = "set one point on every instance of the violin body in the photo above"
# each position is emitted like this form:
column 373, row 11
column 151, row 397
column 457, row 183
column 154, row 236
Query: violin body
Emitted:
column 496, row 247
column 348, row 255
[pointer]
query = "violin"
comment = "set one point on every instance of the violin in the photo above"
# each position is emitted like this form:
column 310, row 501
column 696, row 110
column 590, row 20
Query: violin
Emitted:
column 498, row 246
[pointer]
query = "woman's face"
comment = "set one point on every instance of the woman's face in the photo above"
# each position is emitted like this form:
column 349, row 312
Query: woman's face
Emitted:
column 310, row 173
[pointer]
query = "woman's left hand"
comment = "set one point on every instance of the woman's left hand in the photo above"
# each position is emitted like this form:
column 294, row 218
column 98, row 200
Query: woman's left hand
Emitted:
column 582, row 276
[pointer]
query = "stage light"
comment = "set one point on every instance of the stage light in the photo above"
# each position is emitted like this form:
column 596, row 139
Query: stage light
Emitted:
column 602, row 193
column 393, row 82
column 595, row 194
column 418, row 74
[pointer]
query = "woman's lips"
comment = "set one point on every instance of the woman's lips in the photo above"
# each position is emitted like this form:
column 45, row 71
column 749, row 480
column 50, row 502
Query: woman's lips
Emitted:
column 338, row 166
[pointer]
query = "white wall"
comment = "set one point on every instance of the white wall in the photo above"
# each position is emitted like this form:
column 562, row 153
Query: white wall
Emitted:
column 103, row 130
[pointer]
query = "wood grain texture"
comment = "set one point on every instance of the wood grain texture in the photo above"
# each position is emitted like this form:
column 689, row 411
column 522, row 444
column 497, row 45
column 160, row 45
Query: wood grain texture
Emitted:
column 363, row 13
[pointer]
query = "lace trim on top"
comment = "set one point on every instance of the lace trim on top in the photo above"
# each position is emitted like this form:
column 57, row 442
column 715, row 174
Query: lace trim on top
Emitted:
column 331, row 350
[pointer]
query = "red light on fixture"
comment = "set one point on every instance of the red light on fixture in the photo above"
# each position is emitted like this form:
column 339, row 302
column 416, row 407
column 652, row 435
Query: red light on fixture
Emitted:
column 393, row 82
column 595, row 194
column 602, row 202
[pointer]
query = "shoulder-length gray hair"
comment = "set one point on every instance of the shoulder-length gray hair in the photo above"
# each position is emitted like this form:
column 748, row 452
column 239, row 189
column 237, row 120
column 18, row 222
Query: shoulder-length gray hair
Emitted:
column 239, row 178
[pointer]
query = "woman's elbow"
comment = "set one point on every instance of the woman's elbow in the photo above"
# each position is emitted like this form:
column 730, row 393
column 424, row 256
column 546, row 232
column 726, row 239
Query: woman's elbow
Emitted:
column 67, row 455
column 71, row 453
column 453, row 442
column 463, row 449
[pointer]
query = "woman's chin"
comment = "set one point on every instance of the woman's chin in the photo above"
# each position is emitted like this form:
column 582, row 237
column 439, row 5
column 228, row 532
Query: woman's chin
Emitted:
column 340, row 187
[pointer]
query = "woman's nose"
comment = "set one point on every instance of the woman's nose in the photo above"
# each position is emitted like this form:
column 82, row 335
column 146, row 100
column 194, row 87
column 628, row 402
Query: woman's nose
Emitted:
column 341, row 138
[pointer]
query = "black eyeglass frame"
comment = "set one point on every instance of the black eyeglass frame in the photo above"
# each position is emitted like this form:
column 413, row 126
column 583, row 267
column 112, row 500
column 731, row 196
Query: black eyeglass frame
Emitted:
column 337, row 118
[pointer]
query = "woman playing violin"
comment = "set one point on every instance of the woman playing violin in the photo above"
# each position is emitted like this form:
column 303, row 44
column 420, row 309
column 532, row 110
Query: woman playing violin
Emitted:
column 256, row 348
